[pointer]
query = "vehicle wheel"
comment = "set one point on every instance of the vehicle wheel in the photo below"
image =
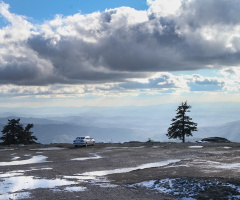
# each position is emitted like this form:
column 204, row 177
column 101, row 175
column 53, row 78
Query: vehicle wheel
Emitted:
column 93, row 143
column 75, row 146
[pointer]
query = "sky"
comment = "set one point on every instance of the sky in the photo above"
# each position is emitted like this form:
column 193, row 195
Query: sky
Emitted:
column 118, row 53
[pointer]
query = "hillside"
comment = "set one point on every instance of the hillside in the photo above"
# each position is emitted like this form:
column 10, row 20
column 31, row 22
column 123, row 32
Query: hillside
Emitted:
column 115, row 129
column 65, row 130
column 229, row 130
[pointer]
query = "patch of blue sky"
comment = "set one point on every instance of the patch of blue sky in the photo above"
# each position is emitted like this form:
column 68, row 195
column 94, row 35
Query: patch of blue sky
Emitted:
column 3, row 21
column 41, row 10
column 205, row 87
column 203, row 72
column 144, row 95
column 87, row 96
column 2, row 24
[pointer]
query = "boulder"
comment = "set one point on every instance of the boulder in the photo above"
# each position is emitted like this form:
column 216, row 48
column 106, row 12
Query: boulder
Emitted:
column 215, row 139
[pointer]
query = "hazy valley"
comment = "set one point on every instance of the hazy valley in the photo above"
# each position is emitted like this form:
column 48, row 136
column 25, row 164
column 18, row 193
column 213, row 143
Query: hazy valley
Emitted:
column 125, row 123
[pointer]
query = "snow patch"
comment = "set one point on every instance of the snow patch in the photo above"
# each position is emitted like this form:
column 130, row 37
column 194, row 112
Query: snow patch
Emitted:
column 6, row 149
column 98, row 177
column 48, row 149
column 12, row 183
column 15, row 196
column 122, row 148
column 188, row 188
column 227, row 147
column 15, row 158
column 129, row 169
column 195, row 147
column 76, row 189
column 88, row 158
column 34, row 159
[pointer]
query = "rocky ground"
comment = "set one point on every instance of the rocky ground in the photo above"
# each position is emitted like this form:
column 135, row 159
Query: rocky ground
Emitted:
column 121, row 171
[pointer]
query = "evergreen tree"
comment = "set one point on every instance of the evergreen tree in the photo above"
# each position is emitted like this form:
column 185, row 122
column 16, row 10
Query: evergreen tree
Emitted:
column 28, row 137
column 182, row 125
column 14, row 133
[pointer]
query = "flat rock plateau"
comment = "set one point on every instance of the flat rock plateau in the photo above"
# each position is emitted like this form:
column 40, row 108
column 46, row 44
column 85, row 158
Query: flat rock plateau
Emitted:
column 133, row 170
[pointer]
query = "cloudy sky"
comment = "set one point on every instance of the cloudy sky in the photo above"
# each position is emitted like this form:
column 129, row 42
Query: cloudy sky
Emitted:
column 121, row 52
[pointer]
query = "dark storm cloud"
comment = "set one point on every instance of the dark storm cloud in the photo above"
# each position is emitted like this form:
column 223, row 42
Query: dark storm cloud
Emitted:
column 123, row 43
column 211, row 12
column 78, row 61
column 123, row 52
column 25, row 71
column 139, row 49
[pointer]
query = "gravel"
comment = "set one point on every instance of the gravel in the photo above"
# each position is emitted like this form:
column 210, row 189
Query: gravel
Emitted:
column 209, row 172
column 194, row 188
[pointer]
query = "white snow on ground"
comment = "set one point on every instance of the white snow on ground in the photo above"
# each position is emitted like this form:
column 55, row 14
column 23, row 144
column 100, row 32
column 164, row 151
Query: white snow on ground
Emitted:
column 15, row 196
column 129, row 169
column 230, row 166
column 98, row 177
column 13, row 182
column 195, row 147
column 227, row 147
column 20, row 172
column 15, row 158
column 116, row 147
column 121, row 148
column 48, row 149
column 10, row 174
column 185, row 188
column 75, row 189
column 34, row 159
column 6, row 149
column 18, row 183
column 88, row 158
column 215, row 164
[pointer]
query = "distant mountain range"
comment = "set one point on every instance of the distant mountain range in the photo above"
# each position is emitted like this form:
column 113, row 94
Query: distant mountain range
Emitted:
column 230, row 130
column 65, row 130
column 115, row 129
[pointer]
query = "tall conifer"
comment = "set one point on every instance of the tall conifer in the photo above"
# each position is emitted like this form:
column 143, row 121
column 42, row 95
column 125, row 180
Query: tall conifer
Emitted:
column 182, row 125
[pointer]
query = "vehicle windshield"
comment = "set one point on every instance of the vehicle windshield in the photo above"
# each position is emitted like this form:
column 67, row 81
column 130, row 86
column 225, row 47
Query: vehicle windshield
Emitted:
column 80, row 138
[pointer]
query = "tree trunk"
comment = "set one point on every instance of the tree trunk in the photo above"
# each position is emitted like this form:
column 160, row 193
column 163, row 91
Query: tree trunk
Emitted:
column 183, row 139
column 183, row 129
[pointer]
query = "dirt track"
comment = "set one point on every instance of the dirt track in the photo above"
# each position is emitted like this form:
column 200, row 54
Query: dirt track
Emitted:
column 211, row 161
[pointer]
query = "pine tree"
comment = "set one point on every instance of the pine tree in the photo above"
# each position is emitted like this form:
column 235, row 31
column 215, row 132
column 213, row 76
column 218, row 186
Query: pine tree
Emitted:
column 28, row 137
column 14, row 133
column 11, row 132
column 182, row 125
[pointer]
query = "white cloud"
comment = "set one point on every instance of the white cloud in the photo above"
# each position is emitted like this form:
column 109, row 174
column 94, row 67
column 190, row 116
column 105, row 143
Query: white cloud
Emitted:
column 232, row 76
column 160, row 83
column 163, row 8
column 109, row 52
column 19, row 28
